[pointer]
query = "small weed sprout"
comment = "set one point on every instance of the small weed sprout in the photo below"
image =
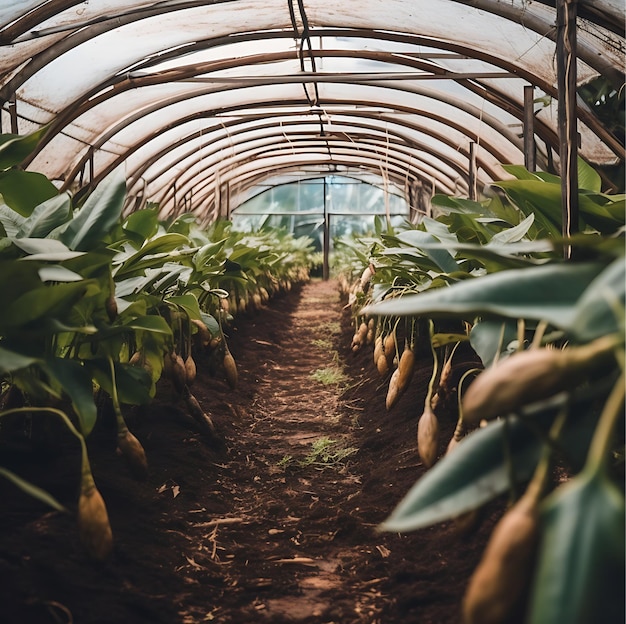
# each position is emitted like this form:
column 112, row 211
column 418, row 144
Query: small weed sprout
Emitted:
column 326, row 452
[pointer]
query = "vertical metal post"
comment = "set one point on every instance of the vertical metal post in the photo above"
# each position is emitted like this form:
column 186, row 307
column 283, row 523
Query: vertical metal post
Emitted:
column 530, row 148
column 566, row 11
column 13, row 114
column 472, row 171
column 326, row 241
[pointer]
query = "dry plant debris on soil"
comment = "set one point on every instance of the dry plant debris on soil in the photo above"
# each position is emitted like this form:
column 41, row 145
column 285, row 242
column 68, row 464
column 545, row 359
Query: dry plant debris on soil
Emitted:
column 277, row 524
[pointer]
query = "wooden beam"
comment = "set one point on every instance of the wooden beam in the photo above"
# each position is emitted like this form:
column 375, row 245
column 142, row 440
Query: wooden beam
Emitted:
column 568, row 131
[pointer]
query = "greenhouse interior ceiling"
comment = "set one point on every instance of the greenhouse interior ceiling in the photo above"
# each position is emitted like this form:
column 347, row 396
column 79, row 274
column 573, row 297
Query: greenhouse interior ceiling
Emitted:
column 203, row 101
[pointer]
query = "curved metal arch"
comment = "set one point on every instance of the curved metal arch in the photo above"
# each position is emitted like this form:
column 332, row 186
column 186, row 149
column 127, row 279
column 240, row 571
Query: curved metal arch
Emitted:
column 284, row 180
column 64, row 117
column 117, row 85
column 339, row 120
column 395, row 164
column 470, row 110
column 525, row 15
column 270, row 167
column 412, row 161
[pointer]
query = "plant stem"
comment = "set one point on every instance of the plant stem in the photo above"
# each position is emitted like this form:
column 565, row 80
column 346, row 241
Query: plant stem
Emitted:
column 613, row 410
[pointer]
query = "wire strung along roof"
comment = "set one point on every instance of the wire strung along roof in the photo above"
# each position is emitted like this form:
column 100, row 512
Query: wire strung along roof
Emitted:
column 201, row 100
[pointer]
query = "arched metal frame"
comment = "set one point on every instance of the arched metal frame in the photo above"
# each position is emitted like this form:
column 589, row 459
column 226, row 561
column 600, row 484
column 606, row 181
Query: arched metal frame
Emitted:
column 176, row 120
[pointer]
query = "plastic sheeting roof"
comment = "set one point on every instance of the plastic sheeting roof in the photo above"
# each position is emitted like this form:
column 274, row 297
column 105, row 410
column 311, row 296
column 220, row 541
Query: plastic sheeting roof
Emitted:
column 201, row 100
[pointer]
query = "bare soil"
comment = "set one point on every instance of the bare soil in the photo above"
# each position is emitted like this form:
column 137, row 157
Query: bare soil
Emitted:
column 253, row 527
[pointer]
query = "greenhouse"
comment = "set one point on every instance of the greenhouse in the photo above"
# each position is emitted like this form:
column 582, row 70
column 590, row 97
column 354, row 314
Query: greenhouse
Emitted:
column 312, row 312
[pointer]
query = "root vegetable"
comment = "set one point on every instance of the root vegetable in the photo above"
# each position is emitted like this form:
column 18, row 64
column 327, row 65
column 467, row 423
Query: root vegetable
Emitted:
column 501, row 579
column 203, row 332
column 382, row 365
column 94, row 528
column 428, row 436
column 133, row 452
column 230, row 368
column 530, row 376
column 190, row 370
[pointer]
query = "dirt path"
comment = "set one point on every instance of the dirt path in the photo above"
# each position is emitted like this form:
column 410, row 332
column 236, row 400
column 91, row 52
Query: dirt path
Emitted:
column 295, row 501
column 278, row 525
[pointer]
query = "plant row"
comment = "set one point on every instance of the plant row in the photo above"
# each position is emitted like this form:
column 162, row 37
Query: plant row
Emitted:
column 546, row 389
column 98, row 309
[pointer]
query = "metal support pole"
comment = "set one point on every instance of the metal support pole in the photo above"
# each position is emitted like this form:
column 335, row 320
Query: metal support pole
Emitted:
column 472, row 171
column 530, row 148
column 13, row 114
column 568, row 134
column 326, row 241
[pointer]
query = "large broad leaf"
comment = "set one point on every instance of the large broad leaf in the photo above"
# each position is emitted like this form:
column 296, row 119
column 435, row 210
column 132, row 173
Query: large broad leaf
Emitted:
column 24, row 190
column 440, row 256
column 14, row 148
column 133, row 383
column 189, row 303
column 474, row 473
column 513, row 234
column 588, row 177
column 481, row 466
column 11, row 221
column 45, row 217
column 75, row 380
column 212, row 323
column 600, row 310
column 150, row 323
column 151, row 255
column 58, row 273
column 45, row 249
column 539, row 293
column 10, row 361
column 144, row 223
column 40, row 303
column 490, row 338
column 98, row 215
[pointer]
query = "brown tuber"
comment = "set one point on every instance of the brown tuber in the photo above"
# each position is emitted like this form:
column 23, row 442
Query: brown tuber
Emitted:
column 501, row 579
column 428, row 436
column 94, row 528
column 531, row 376
column 132, row 451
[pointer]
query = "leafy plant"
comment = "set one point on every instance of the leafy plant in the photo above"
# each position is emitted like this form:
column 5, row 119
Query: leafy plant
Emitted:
column 550, row 335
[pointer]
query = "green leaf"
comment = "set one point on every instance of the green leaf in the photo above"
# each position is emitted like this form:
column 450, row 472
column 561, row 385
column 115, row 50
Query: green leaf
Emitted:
column 11, row 221
column 537, row 293
column 133, row 383
column 58, row 273
column 474, row 473
column 24, row 190
column 151, row 323
column 490, row 338
column 46, row 249
column 513, row 234
column 143, row 222
column 189, row 303
column 14, row 148
column 10, row 361
column 440, row 256
column 588, row 177
column 40, row 303
column 580, row 570
column 600, row 310
column 212, row 323
column 98, row 214
column 31, row 489
column 151, row 255
column 75, row 380
column 45, row 217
